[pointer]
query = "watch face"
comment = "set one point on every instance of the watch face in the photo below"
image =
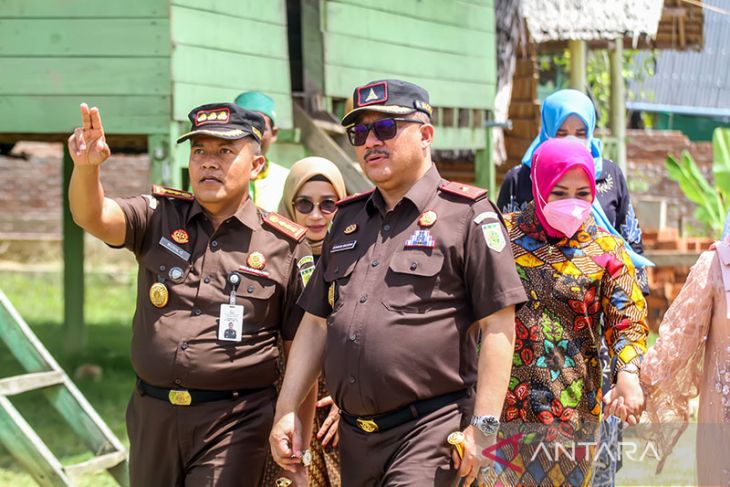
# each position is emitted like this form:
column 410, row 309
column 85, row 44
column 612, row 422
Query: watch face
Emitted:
column 486, row 424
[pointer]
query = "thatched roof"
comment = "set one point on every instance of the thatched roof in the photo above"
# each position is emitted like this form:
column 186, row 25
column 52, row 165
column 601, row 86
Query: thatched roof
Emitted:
column 559, row 20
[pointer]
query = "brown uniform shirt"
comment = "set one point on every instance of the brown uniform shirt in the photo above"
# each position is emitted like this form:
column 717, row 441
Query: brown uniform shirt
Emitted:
column 177, row 345
column 399, row 329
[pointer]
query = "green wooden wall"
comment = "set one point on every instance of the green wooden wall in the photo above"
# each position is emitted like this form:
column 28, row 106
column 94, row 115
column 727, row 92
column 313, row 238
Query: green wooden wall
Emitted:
column 223, row 47
column 54, row 54
column 144, row 62
column 446, row 47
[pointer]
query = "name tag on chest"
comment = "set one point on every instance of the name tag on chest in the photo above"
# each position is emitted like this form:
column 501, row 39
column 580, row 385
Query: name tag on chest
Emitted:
column 343, row 246
column 167, row 244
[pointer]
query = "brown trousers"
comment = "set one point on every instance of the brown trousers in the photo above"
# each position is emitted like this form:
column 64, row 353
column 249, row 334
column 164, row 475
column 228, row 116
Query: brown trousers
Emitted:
column 414, row 453
column 221, row 443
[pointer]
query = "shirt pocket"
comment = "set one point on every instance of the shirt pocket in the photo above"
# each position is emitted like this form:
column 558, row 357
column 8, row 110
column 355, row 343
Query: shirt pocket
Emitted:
column 173, row 272
column 337, row 276
column 412, row 281
column 260, row 306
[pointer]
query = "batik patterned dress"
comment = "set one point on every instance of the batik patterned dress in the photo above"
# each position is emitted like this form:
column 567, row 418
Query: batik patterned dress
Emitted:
column 573, row 286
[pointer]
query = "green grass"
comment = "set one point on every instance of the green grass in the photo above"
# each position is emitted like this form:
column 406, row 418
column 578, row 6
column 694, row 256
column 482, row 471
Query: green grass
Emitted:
column 109, row 308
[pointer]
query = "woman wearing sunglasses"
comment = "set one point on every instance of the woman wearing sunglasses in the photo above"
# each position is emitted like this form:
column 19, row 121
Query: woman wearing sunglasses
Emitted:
column 311, row 191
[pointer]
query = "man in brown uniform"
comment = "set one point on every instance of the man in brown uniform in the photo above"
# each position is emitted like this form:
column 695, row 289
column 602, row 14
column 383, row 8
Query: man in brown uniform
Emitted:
column 218, row 281
column 410, row 274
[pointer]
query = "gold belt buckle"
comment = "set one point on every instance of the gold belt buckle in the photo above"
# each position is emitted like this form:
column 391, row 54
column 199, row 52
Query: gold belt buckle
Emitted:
column 180, row 398
column 367, row 425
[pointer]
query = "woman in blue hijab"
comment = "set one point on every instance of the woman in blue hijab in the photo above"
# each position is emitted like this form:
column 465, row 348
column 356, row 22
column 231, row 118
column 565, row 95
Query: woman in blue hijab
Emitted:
column 570, row 113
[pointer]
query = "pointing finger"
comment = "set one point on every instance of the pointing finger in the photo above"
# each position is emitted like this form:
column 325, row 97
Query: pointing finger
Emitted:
column 96, row 120
column 85, row 118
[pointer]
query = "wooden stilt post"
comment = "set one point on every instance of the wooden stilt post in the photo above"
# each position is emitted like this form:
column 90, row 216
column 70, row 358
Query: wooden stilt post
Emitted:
column 618, row 102
column 578, row 57
column 73, row 271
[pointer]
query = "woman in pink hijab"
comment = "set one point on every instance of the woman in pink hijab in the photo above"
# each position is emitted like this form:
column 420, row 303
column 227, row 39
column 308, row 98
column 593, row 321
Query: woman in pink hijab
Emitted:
column 581, row 285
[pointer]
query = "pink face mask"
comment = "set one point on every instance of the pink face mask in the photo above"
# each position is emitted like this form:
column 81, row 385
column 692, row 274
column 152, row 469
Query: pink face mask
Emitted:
column 567, row 216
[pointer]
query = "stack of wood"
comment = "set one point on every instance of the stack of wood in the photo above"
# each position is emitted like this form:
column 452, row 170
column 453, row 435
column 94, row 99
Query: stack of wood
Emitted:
column 524, row 109
column 666, row 281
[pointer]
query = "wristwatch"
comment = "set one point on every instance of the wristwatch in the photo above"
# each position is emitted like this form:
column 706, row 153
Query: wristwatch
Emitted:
column 488, row 425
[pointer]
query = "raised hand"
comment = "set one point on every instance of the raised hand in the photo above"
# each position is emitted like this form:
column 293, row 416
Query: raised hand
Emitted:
column 87, row 144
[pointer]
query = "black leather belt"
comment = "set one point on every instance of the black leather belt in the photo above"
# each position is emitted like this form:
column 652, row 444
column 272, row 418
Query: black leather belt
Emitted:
column 186, row 397
column 382, row 422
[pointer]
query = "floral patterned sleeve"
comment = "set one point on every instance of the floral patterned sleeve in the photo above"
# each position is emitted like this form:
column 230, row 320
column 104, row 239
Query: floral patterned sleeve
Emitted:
column 624, row 305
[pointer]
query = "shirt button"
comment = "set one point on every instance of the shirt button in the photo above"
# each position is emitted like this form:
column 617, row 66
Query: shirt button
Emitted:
column 184, row 345
column 386, row 228
column 178, row 381
column 363, row 298
column 162, row 268
column 249, row 289
column 214, row 243
column 413, row 266
column 197, row 311
column 206, row 280
column 352, row 380
column 375, row 263
column 353, row 337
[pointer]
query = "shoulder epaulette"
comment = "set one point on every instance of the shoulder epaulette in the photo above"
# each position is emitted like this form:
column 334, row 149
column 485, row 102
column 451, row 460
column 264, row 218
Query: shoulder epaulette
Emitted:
column 355, row 197
column 172, row 193
column 285, row 226
column 464, row 190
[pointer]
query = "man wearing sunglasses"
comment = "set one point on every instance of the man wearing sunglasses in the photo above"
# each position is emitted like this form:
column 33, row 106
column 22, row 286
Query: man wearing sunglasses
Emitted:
column 217, row 284
column 410, row 274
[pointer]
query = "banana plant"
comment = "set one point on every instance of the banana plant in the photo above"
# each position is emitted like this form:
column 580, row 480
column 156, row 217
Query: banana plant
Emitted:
column 712, row 202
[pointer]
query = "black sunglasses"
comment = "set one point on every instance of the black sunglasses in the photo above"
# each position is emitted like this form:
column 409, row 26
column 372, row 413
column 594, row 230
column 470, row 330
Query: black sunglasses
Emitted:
column 305, row 206
column 384, row 129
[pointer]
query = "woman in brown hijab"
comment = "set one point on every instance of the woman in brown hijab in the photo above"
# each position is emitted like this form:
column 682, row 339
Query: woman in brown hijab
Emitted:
column 311, row 190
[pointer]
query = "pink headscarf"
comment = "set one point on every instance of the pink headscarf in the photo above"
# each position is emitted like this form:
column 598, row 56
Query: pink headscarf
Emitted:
column 550, row 162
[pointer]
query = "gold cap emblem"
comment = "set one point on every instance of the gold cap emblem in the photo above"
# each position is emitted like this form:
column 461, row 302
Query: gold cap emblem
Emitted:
column 427, row 218
column 159, row 295
column 256, row 260
column 351, row 229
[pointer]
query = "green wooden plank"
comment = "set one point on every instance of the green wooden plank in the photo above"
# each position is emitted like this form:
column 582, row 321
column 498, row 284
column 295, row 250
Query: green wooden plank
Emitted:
column 82, row 8
column 460, row 14
column 459, row 138
column 73, row 271
column 17, row 341
column 223, row 32
column 340, row 82
column 272, row 11
column 84, row 37
column 223, row 69
column 84, row 76
column 404, row 30
column 28, row 449
column 351, row 52
column 60, row 114
column 187, row 96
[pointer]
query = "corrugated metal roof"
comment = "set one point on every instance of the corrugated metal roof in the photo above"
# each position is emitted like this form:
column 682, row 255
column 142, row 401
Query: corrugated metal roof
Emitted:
column 693, row 79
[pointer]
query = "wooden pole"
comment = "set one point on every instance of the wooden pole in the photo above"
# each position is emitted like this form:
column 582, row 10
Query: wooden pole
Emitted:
column 618, row 102
column 73, row 271
column 577, row 65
